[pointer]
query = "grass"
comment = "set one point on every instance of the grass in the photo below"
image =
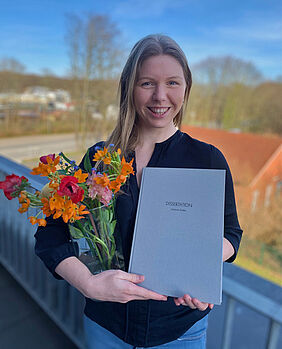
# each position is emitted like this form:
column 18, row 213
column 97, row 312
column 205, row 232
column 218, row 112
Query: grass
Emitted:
column 260, row 270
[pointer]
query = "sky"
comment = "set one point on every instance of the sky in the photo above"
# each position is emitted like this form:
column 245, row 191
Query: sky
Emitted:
column 33, row 31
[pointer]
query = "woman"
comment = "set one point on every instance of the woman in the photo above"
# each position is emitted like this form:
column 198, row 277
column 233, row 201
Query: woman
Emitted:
column 154, row 89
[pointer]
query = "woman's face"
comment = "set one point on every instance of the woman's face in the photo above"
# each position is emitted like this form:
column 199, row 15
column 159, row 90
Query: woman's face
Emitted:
column 159, row 91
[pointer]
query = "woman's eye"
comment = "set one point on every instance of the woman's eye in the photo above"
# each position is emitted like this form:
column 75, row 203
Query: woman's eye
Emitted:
column 146, row 83
column 173, row 83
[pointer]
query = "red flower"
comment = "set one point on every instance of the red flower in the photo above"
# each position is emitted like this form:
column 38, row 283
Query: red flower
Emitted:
column 69, row 187
column 11, row 185
column 43, row 159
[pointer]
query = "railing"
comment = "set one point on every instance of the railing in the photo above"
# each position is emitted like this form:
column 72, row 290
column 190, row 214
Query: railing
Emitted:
column 64, row 304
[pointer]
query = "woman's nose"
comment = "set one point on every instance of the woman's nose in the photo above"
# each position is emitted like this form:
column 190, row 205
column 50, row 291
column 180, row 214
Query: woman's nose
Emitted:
column 159, row 93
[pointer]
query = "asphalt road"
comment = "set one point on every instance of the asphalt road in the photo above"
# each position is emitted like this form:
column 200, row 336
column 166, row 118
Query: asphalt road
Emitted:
column 29, row 147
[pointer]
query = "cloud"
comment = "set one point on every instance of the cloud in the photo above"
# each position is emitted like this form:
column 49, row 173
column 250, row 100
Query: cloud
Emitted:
column 268, row 62
column 254, row 28
column 146, row 8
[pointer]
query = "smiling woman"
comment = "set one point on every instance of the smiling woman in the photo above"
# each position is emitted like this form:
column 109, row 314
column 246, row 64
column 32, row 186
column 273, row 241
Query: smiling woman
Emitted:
column 154, row 90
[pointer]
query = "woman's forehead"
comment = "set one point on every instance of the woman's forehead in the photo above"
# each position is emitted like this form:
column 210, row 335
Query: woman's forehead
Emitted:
column 164, row 65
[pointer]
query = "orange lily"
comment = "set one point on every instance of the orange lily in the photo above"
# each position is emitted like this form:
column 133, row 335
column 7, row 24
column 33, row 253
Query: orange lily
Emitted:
column 56, row 202
column 121, row 179
column 33, row 220
column 46, row 207
column 41, row 222
column 22, row 197
column 104, row 181
column 103, row 155
column 115, row 185
column 41, row 169
column 80, row 212
column 80, row 176
column 126, row 167
column 25, row 206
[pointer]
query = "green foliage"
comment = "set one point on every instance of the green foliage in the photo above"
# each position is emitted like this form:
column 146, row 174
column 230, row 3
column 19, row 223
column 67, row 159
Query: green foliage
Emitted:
column 75, row 232
column 250, row 108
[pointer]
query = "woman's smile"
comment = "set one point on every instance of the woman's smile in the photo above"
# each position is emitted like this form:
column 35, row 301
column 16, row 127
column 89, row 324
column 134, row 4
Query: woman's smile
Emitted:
column 159, row 112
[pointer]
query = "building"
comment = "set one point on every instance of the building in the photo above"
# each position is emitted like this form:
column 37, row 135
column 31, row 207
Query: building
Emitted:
column 255, row 162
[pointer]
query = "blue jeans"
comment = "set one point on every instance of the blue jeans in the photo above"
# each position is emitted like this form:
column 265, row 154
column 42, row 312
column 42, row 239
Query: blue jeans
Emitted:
column 99, row 338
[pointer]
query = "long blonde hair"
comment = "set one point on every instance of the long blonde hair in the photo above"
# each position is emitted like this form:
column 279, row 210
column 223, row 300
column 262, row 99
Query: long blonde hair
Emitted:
column 125, row 134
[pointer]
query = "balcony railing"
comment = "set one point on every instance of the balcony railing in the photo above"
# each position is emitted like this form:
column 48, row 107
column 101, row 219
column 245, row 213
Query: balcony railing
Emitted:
column 64, row 304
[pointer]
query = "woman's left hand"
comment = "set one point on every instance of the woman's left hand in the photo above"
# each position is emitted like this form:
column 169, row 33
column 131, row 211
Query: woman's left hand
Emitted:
column 193, row 303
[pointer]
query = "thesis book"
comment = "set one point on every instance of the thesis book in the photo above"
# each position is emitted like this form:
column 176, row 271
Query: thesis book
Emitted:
column 178, row 234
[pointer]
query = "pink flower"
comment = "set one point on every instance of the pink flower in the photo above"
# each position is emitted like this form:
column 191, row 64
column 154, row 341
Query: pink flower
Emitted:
column 11, row 185
column 103, row 194
column 43, row 159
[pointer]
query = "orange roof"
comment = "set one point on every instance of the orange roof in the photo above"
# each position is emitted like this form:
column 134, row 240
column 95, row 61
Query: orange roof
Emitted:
column 246, row 153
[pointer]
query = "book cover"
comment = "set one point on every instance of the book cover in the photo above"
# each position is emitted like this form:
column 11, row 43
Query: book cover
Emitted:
column 178, row 233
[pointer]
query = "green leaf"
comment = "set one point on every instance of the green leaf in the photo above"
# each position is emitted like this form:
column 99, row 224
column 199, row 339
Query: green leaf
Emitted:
column 75, row 232
column 65, row 157
column 111, row 215
column 87, row 163
column 113, row 225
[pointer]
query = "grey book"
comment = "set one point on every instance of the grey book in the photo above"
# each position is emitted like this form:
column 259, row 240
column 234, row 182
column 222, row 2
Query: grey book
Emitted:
column 178, row 234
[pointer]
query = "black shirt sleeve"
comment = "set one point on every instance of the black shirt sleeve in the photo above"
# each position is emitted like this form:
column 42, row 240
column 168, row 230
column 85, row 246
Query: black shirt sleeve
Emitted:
column 232, row 230
column 53, row 244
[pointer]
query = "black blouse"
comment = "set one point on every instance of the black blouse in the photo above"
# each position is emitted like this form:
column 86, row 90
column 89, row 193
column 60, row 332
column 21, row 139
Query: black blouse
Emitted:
column 145, row 323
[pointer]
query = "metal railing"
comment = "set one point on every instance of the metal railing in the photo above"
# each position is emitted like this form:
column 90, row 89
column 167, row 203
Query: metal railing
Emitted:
column 64, row 304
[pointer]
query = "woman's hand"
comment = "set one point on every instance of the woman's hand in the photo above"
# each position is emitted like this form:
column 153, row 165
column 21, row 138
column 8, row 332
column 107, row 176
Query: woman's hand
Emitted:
column 118, row 286
column 193, row 303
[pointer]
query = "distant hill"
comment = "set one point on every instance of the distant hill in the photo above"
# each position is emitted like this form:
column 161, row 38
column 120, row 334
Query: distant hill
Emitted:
column 16, row 82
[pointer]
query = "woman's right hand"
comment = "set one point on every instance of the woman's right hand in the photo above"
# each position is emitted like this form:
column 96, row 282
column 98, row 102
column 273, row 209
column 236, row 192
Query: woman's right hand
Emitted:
column 118, row 286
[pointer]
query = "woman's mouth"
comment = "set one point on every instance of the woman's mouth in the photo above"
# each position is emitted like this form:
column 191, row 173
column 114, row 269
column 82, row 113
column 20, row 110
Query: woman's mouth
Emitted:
column 159, row 112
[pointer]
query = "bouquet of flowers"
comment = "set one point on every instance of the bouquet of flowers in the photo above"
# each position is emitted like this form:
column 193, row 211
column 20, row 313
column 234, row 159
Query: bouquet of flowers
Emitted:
column 84, row 200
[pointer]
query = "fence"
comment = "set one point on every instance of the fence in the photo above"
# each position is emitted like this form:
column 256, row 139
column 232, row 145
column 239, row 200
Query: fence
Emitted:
column 64, row 304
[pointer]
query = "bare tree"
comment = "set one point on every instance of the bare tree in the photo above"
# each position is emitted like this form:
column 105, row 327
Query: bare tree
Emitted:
column 94, row 52
column 11, row 65
column 222, row 86
column 226, row 70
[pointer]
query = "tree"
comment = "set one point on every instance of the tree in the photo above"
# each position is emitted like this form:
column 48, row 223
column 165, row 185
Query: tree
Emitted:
column 9, row 64
column 265, row 108
column 222, row 86
column 226, row 70
column 95, row 53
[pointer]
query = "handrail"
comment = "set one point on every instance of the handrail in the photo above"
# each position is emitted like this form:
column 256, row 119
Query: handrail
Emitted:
column 252, row 299
column 7, row 166
column 63, row 303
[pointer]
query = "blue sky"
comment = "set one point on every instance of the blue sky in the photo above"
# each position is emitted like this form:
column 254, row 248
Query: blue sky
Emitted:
column 32, row 31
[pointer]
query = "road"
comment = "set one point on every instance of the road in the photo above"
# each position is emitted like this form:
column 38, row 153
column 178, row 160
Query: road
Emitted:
column 29, row 147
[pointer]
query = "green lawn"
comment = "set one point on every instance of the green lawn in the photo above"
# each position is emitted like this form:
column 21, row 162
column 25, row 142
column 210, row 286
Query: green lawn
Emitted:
column 259, row 270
